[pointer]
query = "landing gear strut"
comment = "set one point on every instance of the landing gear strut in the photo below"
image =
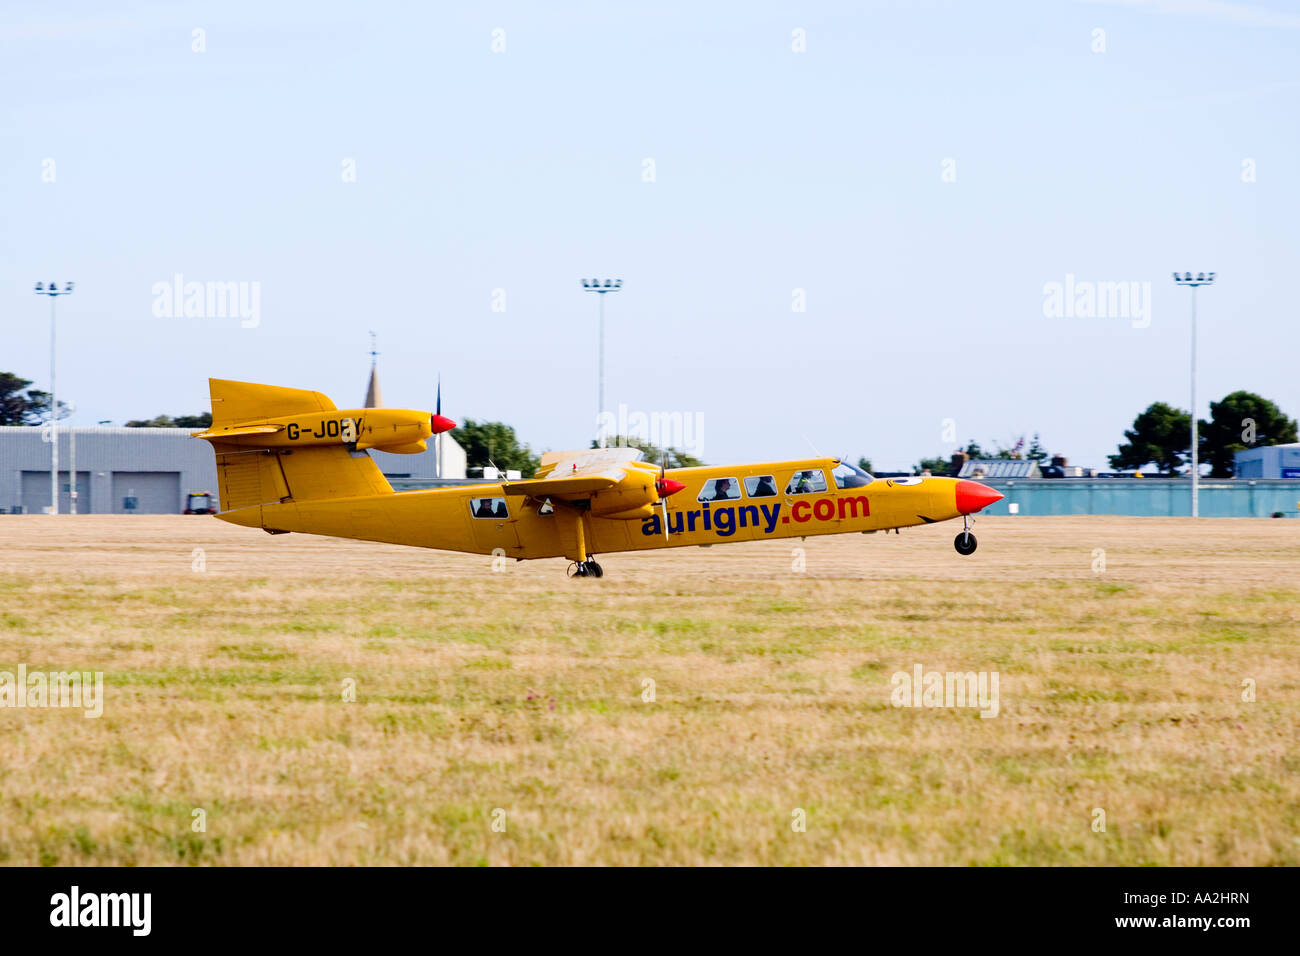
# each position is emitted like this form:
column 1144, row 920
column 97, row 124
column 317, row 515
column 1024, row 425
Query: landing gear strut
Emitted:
column 965, row 542
column 585, row 566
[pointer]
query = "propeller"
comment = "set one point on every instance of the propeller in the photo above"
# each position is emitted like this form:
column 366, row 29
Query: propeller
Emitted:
column 438, row 423
column 665, row 486
column 660, row 485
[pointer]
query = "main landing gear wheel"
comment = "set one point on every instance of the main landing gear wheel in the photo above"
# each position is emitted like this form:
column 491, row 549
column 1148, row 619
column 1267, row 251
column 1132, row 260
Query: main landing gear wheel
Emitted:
column 965, row 543
column 585, row 569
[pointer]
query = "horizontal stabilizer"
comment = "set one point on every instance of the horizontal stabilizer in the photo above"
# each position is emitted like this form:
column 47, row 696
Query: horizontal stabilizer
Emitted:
column 233, row 432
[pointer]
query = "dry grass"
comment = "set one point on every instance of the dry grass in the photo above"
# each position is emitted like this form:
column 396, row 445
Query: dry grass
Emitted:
column 522, row 691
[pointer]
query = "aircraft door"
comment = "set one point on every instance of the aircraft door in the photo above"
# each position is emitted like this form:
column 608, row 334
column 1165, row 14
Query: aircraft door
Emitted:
column 494, row 524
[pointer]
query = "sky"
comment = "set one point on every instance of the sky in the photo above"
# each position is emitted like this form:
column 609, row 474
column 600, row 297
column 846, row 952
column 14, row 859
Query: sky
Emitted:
column 835, row 222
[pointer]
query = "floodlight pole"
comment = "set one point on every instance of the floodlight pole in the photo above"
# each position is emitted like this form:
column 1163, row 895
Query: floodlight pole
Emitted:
column 595, row 285
column 1187, row 279
column 53, row 291
column 1196, row 437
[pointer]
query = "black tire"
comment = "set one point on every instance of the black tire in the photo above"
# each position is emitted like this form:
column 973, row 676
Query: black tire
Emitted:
column 965, row 543
column 595, row 569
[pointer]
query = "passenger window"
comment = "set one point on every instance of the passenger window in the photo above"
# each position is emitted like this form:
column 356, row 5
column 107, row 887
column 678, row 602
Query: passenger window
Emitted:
column 720, row 489
column 488, row 508
column 760, row 486
column 808, row 482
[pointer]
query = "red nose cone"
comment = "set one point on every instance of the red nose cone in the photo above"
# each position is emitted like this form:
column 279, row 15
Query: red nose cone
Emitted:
column 972, row 496
column 440, row 424
column 666, row 487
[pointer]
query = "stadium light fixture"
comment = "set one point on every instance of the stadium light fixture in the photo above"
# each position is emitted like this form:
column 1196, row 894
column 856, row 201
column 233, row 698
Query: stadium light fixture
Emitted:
column 52, row 290
column 611, row 285
column 1192, row 282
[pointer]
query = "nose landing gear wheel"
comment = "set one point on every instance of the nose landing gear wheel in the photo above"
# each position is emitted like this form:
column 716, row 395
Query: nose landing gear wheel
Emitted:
column 964, row 543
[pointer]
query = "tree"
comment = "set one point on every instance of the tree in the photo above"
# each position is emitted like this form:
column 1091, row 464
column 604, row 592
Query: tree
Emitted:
column 1036, row 450
column 1238, row 421
column 203, row 420
column 21, row 405
column 974, row 449
column 652, row 452
column 495, row 443
column 1161, row 434
column 865, row 465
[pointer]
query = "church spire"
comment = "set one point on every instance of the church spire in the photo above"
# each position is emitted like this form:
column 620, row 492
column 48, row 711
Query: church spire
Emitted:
column 373, row 397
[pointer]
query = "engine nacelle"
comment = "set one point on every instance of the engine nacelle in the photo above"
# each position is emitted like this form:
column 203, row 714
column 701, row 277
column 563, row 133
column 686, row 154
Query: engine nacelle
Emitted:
column 413, row 448
column 633, row 497
column 636, row 514
column 403, row 431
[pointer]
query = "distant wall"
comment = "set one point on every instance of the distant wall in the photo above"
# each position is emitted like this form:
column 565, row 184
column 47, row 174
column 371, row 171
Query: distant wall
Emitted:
column 1219, row 498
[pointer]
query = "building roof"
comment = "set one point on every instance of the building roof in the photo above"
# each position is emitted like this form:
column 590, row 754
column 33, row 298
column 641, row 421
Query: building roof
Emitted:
column 120, row 430
column 1000, row 468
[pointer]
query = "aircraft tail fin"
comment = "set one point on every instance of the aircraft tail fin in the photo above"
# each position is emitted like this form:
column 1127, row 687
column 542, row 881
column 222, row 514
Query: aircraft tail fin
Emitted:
column 234, row 402
column 249, row 476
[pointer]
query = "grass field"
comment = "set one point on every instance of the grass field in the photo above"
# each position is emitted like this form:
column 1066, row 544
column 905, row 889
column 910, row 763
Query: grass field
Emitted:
column 518, row 698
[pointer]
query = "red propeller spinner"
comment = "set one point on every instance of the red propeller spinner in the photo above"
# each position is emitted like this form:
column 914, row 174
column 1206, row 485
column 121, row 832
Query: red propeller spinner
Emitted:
column 667, row 486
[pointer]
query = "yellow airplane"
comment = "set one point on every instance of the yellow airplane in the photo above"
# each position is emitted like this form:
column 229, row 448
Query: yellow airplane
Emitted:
column 289, row 460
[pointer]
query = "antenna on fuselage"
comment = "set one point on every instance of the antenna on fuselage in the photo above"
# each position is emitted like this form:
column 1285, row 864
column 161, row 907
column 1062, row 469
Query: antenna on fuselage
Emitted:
column 816, row 452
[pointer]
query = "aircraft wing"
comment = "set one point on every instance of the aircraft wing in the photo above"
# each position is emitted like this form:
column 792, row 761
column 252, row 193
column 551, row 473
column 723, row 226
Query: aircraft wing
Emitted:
column 582, row 485
column 585, row 461
column 577, row 474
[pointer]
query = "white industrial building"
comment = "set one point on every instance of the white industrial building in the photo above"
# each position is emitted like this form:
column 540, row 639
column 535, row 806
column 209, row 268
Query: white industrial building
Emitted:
column 154, row 466
column 1268, row 461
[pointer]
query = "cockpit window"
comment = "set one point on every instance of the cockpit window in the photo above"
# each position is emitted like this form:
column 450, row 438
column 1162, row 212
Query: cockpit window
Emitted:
column 488, row 508
column 808, row 482
column 850, row 476
column 720, row 489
